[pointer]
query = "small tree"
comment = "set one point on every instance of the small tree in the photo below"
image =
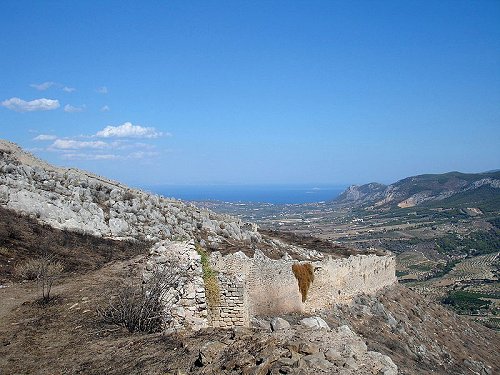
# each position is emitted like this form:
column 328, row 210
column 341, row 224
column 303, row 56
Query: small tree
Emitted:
column 49, row 271
column 45, row 270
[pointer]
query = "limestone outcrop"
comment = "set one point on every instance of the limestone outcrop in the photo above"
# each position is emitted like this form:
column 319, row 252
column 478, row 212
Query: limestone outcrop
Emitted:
column 80, row 201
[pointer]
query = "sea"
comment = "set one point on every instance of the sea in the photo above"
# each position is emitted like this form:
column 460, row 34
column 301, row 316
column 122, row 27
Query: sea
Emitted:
column 276, row 194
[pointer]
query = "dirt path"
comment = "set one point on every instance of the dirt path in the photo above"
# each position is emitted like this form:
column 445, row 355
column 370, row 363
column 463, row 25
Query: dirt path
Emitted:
column 68, row 337
column 14, row 295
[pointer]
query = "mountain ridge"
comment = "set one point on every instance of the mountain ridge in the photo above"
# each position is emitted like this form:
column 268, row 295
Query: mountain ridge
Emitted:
column 418, row 190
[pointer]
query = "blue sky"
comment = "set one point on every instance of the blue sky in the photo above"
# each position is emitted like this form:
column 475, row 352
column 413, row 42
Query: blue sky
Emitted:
column 253, row 92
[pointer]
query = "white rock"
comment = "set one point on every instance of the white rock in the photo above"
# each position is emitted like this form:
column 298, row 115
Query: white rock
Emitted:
column 315, row 323
column 279, row 324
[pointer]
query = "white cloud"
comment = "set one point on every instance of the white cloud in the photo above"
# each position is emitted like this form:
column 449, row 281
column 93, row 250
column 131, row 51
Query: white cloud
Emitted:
column 68, row 89
column 44, row 137
column 102, row 90
column 105, row 108
column 93, row 156
column 143, row 154
column 20, row 105
column 127, row 130
column 70, row 144
column 43, row 86
column 84, row 156
column 73, row 109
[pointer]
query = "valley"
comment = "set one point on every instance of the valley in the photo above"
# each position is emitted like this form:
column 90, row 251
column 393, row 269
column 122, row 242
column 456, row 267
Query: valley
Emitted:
column 447, row 249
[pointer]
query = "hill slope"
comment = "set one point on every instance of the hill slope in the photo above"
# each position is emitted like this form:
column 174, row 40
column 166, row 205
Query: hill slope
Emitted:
column 67, row 335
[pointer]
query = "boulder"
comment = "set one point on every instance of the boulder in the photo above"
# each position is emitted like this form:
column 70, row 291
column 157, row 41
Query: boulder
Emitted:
column 210, row 351
column 315, row 323
column 118, row 227
column 279, row 324
column 385, row 364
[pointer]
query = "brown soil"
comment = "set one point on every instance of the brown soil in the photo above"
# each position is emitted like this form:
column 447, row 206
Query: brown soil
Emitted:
column 23, row 238
column 67, row 336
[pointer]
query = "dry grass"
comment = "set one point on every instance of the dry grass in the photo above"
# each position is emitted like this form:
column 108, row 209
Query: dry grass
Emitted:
column 304, row 273
column 28, row 270
column 45, row 270
column 23, row 239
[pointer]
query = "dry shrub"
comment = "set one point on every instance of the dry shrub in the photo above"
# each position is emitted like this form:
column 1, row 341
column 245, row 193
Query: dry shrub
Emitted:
column 142, row 308
column 45, row 270
column 28, row 270
column 304, row 273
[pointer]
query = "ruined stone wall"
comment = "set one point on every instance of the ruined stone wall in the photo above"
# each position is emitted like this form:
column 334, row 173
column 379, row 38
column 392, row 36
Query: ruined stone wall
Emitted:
column 339, row 280
column 184, row 302
column 258, row 286
column 270, row 288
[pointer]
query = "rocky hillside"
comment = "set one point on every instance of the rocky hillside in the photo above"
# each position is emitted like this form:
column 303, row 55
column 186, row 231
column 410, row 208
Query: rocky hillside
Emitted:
column 76, row 200
column 395, row 330
column 477, row 189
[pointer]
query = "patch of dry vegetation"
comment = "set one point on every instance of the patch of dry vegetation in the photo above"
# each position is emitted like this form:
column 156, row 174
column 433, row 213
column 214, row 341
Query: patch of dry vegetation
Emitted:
column 44, row 270
column 23, row 240
column 141, row 308
column 304, row 273
column 212, row 291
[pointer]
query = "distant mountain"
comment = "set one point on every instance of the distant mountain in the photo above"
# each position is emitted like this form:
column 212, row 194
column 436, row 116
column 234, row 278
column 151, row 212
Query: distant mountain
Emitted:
column 453, row 189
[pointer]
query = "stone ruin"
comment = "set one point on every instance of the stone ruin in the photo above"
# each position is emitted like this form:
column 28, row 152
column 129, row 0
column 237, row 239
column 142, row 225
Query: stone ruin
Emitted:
column 239, row 288
column 259, row 286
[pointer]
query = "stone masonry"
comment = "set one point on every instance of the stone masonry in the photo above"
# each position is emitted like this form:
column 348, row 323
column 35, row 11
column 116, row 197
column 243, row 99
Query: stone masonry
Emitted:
column 232, row 308
column 184, row 301
column 259, row 286
column 270, row 287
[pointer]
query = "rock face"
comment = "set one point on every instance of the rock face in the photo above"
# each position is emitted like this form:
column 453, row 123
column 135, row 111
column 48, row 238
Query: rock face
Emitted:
column 79, row 201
